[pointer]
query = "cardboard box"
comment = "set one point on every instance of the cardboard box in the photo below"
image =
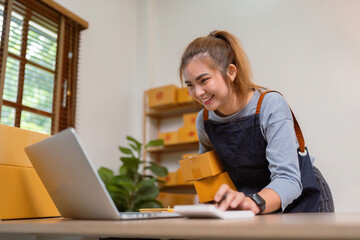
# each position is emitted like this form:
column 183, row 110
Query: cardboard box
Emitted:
column 172, row 199
column 12, row 143
column 183, row 96
column 170, row 179
column 162, row 96
column 174, row 179
column 180, row 179
column 187, row 135
column 169, row 137
column 23, row 195
column 204, row 165
column 189, row 120
column 189, row 155
column 206, row 188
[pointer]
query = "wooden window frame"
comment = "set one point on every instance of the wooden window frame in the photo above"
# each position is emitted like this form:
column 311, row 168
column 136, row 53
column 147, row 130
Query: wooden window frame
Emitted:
column 65, row 73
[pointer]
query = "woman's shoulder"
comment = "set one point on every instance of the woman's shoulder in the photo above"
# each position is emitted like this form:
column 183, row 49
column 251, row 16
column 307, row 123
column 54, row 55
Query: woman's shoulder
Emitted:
column 273, row 96
column 274, row 104
column 200, row 117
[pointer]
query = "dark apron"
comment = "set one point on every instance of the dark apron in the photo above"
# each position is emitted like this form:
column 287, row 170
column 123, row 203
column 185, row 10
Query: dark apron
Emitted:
column 242, row 150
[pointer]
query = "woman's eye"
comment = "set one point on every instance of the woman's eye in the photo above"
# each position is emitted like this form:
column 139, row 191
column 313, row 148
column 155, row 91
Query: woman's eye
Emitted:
column 189, row 85
column 204, row 80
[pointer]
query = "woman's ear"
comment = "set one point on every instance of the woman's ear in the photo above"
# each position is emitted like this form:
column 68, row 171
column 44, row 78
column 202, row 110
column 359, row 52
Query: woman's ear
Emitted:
column 231, row 72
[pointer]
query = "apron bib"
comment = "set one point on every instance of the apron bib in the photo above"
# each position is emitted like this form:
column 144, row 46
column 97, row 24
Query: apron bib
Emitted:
column 242, row 150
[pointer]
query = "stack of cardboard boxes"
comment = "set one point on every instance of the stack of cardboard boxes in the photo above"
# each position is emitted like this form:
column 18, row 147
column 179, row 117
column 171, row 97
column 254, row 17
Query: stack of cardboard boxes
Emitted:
column 207, row 173
column 185, row 134
column 172, row 199
column 176, row 178
column 170, row 96
column 22, row 193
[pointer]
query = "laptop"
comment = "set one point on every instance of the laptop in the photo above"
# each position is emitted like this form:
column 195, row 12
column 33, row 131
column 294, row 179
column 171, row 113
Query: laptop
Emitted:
column 72, row 182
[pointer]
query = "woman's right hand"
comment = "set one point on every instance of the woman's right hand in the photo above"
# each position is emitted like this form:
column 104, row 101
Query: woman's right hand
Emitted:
column 228, row 199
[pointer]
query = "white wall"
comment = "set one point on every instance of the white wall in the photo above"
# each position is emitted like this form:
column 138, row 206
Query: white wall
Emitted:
column 307, row 49
column 107, row 74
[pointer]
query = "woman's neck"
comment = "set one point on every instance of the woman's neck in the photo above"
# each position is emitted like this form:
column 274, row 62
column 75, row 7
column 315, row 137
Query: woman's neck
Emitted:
column 235, row 104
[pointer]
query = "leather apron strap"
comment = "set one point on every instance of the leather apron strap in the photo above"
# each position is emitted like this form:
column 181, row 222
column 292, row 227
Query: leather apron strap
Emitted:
column 298, row 132
column 205, row 114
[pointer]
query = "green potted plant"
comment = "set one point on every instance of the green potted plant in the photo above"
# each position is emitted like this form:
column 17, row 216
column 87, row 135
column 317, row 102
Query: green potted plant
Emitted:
column 133, row 188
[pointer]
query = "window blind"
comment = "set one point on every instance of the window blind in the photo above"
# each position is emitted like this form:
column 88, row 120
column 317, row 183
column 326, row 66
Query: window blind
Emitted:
column 40, row 46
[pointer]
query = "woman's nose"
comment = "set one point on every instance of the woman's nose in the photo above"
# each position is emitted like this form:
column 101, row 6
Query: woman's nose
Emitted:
column 199, row 91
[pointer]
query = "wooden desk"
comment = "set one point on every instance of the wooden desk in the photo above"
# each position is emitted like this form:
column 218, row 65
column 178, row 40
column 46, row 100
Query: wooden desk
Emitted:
column 286, row 226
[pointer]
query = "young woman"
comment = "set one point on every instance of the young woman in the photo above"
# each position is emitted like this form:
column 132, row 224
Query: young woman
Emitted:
column 252, row 131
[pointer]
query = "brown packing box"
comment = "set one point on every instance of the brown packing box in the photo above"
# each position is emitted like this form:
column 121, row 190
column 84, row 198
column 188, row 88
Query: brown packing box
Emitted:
column 12, row 143
column 180, row 179
column 201, row 166
column 169, row 137
column 206, row 188
column 172, row 199
column 183, row 96
column 170, row 179
column 174, row 179
column 187, row 134
column 162, row 96
column 189, row 119
column 22, row 193
column 188, row 155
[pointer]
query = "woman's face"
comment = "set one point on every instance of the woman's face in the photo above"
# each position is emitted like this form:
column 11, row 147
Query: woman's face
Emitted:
column 208, row 87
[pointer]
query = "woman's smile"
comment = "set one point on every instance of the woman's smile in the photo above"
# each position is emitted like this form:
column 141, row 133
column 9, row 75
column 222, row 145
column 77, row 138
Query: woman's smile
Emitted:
column 207, row 100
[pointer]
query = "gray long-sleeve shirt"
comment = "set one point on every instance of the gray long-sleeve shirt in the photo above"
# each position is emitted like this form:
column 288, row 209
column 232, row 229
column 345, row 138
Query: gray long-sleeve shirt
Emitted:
column 277, row 127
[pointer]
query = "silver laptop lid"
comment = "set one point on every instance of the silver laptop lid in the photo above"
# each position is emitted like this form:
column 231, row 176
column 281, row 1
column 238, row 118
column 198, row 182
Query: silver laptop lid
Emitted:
column 70, row 177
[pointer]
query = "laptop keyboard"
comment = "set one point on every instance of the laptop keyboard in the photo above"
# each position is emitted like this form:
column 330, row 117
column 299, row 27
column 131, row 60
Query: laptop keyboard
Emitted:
column 139, row 215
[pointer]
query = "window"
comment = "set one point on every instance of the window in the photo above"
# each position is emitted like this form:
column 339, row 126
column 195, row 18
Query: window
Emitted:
column 38, row 62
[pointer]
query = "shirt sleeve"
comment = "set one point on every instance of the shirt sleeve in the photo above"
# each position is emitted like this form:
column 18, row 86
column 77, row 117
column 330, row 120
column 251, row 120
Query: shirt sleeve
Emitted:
column 281, row 152
column 204, row 140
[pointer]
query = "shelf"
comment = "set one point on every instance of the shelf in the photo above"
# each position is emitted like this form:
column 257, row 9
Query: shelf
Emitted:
column 174, row 148
column 154, row 119
column 173, row 111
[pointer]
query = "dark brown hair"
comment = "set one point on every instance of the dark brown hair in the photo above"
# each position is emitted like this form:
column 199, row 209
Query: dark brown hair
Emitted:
column 218, row 50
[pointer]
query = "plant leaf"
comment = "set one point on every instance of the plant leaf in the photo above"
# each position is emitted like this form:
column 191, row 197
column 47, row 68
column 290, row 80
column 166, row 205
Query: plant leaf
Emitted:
column 155, row 143
column 147, row 182
column 122, row 179
column 131, row 163
column 128, row 185
column 119, row 195
column 159, row 171
column 134, row 147
column 105, row 174
column 121, row 191
column 146, row 190
column 148, row 176
column 126, row 150
column 120, row 201
column 137, row 143
column 130, row 160
column 123, row 170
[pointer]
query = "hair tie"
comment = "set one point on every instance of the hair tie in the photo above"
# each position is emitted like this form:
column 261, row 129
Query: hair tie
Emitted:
column 212, row 34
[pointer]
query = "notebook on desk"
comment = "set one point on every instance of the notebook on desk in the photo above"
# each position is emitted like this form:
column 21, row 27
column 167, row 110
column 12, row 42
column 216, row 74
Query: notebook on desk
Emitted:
column 71, row 180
